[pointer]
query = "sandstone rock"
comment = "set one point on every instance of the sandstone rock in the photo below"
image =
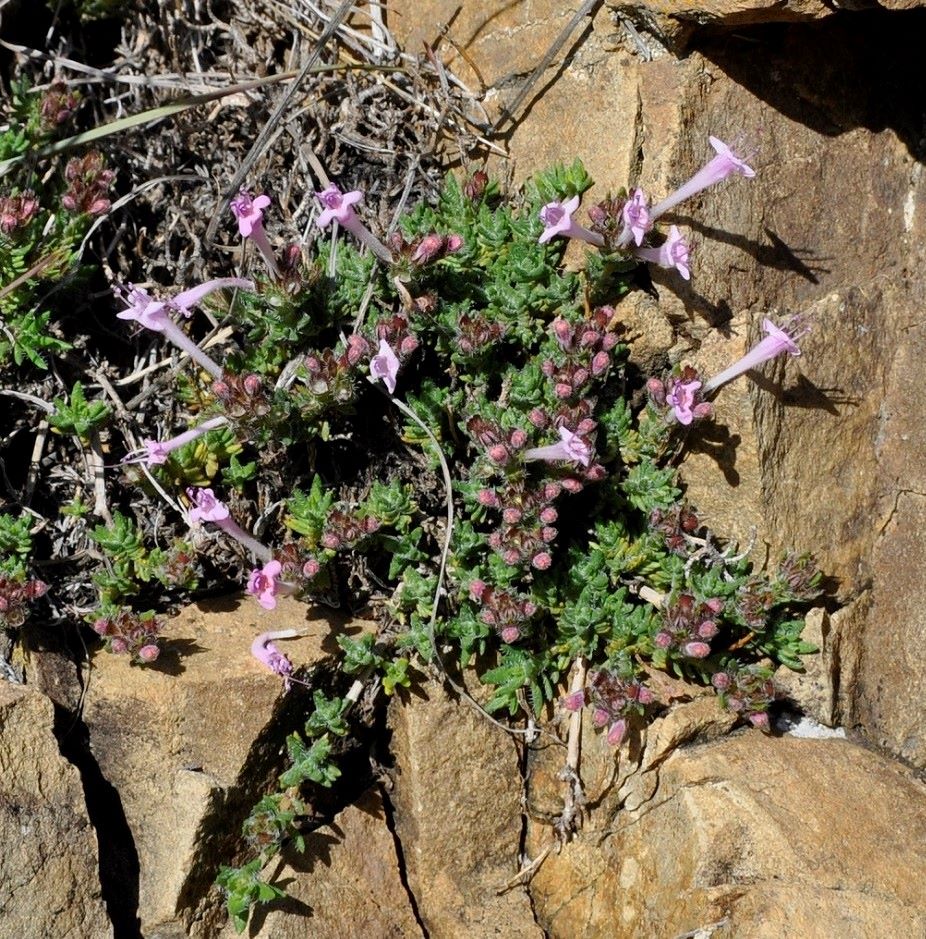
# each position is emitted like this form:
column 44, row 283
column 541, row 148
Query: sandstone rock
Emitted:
column 191, row 743
column 49, row 867
column 457, row 800
column 675, row 22
column 766, row 837
column 346, row 885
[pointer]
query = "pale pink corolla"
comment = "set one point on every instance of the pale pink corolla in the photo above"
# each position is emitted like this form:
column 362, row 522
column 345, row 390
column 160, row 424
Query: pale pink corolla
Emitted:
column 385, row 366
column 249, row 211
column 725, row 163
column 263, row 584
column 636, row 218
column 571, row 447
column 683, row 398
column 157, row 451
column 557, row 220
column 674, row 252
column 265, row 651
column 338, row 207
column 776, row 341
column 206, row 507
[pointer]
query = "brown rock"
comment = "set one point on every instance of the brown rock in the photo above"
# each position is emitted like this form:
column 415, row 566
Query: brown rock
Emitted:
column 49, row 867
column 346, row 885
column 762, row 836
column 457, row 800
column 191, row 743
column 675, row 22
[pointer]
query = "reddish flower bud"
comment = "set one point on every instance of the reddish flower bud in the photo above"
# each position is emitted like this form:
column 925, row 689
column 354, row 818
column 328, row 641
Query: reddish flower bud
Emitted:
column 311, row 568
column 563, row 332
column 101, row 626
column 542, row 560
column 562, row 390
column 453, row 243
column 600, row 717
column 251, row 384
column 760, row 719
column 617, row 732
column 499, row 454
column 574, row 701
column 547, row 534
column 657, row 391
column 512, row 515
column 644, row 695
column 720, row 680
column 600, row 363
column 662, row 640
column 487, row 498
column 330, row 540
column 511, row 556
column 609, row 342
column 708, row 629
column 408, row 345
column 571, row 485
column 551, row 491
column 477, row 588
column 511, row 634
column 579, row 377
column 517, row 439
column 119, row 645
column 549, row 515
column 589, row 338
column 538, row 418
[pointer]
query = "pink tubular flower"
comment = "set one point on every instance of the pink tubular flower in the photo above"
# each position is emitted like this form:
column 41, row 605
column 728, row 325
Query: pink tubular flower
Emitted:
column 265, row 651
column 153, row 314
column 337, row 207
column 250, row 215
column 157, row 451
column 776, row 341
column 571, row 447
column 557, row 220
column 636, row 217
column 617, row 732
column 682, row 399
column 206, row 508
column 263, row 584
column 385, row 366
column 719, row 168
column 672, row 253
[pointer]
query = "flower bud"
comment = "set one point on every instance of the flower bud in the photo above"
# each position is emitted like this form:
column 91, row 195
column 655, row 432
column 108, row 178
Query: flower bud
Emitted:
column 589, row 338
column 251, row 384
column 551, row 490
column 119, row 645
column 617, row 732
column 657, row 391
column 720, row 680
column 663, row 640
column 645, row 695
column 760, row 719
column 149, row 653
column 563, row 332
column 101, row 626
column 574, row 701
column 408, row 345
column 579, row 377
column 511, row 634
column 547, row 534
column 453, row 244
column 708, row 629
column 600, row 363
column 541, row 560
column 549, row 515
column 562, row 390
column 511, row 556
column 330, row 540
column 477, row 588
column 499, row 454
column 487, row 498
column 517, row 439
column 571, row 485
column 311, row 568
column 538, row 418
column 696, row 650
column 512, row 515
column 600, row 717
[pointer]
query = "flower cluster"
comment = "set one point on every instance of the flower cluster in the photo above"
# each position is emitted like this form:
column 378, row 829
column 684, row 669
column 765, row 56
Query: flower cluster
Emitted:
column 747, row 691
column 127, row 632
column 88, row 185
column 15, row 596
column 676, row 524
column 58, row 104
column 17, row 211
column 689, row 626
column 243, row 397
column 527, row 519
column 507, row 613
column 614, row 700
column 622, row 225
column 343, row 530
column 586, row 351
column 420, row 252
